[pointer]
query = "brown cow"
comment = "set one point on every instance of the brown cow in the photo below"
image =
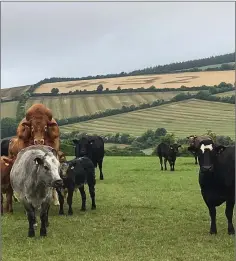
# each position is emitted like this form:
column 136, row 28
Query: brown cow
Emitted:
column 38, row 127
column 194, row 144
column 6, row 165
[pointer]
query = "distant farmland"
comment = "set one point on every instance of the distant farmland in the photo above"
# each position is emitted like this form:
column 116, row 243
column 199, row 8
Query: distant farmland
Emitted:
column 174, row 80
column 225, row 94
column 182, row 118
column 8, row 109
column 79, row 105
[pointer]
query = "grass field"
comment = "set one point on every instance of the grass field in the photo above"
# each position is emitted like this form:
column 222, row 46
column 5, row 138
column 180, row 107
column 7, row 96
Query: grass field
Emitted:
column 79, row 105
column 174, row 80
column 8, row 109
column 225, row 94
column 182, row 118
column 142, row 214
column 14, row 91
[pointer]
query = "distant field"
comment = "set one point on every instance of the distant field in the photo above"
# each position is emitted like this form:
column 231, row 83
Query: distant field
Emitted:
column 174, row 80
column 225, row 94
column 8, row 109
column 120, row 146
column 13, row 92
column 214, row 66
column 79, row 105
column 182, row 118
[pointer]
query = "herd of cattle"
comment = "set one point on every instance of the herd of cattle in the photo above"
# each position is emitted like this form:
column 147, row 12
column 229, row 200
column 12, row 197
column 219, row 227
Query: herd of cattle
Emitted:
column 34, row 169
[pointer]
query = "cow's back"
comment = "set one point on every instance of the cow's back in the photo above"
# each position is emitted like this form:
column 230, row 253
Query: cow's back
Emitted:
column 162, row 150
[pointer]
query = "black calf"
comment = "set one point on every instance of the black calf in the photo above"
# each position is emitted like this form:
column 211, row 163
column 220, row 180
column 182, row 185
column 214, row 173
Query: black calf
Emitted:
column 76, row 173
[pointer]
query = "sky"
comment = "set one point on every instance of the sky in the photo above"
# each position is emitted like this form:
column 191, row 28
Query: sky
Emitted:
column 42, row 40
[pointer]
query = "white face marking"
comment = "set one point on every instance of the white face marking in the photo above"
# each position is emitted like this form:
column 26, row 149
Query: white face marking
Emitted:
column 203, row 147
column 54, row 164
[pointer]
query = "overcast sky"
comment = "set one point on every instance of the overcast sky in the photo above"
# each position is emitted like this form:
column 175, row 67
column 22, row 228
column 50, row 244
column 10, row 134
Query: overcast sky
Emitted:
column 40, row 40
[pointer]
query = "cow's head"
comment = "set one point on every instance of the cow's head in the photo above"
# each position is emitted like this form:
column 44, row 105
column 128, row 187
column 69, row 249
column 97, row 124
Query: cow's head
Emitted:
column 207, row 153
column 48, row 168
column 191, row 140
column 39, row 124
column 83, row 146
column 175, row 148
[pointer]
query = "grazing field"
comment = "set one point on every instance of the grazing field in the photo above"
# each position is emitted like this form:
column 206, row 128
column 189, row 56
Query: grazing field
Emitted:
column 121, row 146
column 183, row 118
column 79, row 105
column 225, row 94
column 142, row 214
column 8, row 109
column 14, row 91
column 173, row 80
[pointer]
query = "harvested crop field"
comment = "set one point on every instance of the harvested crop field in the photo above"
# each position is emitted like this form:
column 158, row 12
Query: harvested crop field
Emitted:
column 174, row 80
column 79, row 105
column 183, row 118
column 8, row 109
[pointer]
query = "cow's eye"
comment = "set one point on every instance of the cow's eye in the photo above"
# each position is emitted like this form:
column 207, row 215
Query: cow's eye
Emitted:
column 46, row 167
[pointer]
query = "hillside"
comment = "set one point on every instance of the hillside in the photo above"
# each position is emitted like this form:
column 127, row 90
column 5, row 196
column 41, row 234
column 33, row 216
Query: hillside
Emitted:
column 225, row 94
column 79, row 105
column 182, row 118
column 173, row 80
column 8, row 93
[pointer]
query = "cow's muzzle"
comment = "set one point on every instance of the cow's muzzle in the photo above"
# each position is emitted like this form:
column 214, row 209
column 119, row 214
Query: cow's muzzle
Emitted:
column 57, row 183
column 206, row 168
column 39, row 142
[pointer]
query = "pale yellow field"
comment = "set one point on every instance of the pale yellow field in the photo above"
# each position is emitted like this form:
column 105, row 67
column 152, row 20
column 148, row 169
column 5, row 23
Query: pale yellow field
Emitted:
column 8, row 109
column 174, row 80
column 14, row 91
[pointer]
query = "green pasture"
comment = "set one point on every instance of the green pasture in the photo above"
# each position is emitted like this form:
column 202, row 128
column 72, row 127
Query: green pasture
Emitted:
column 182, row 118
column 142, row 214
column 68, row 106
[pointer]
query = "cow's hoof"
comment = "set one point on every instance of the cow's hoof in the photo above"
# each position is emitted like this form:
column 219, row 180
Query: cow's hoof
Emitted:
column 231, row 231
column 43, row 232
column 70, row 213
column 93, row 207
column 61, row 213
column 31, row 233
column 101, row 178
column 83, row 209
column 213, row 232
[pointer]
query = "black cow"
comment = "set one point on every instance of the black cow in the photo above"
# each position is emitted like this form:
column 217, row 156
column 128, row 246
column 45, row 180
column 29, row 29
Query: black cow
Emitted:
column 217, row 180
column 75, row 173
column 92, row 147
column 168, row 152
column 5, row 146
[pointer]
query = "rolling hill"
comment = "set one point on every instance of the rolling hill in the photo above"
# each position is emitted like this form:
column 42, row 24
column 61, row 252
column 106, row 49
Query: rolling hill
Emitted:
column 172, row 80
column 8, row 93
column 79, row 105
column 182, row 118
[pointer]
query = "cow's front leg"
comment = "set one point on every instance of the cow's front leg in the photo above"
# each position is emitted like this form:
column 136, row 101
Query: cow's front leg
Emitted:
column 229, row 214
column 61, row 201
column 100, row 169
column 195, row 159
column 83, row 197
column 9, row 196
column 70, row 200
column 31, row 217
column 44, row 218
column 1, row 203
column 161, row 162
column 92, row 195
column 212, row 212
column 165, row 160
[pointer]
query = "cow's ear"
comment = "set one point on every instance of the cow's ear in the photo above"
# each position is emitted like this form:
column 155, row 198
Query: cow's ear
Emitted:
column 219, row 148
column 38, row 161
column 75, row 141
